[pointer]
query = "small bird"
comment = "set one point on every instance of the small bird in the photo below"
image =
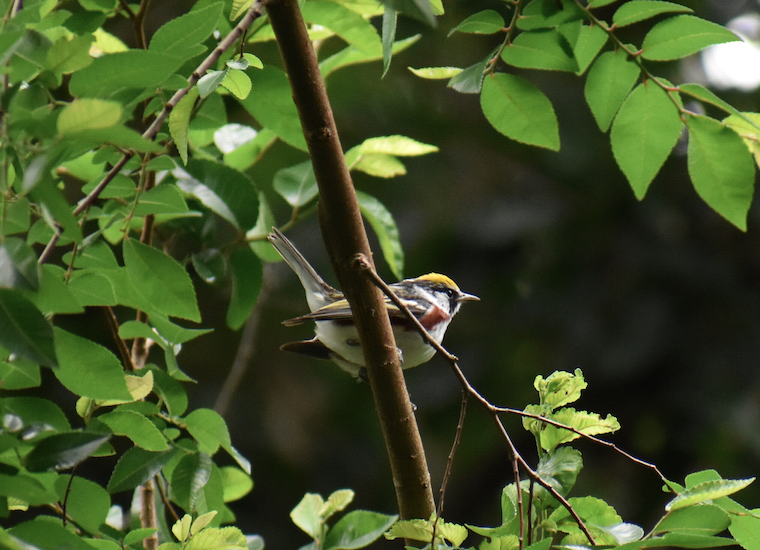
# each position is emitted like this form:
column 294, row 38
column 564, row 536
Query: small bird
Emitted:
column 433, row 298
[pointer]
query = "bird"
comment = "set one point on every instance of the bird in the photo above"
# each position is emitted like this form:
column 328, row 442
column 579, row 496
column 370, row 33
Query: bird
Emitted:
column 433, row 299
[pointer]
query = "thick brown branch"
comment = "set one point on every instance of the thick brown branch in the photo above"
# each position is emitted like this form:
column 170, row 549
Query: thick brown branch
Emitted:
column 344, row 237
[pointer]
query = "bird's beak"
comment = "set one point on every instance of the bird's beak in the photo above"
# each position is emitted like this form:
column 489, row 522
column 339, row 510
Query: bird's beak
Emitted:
column 464, row 297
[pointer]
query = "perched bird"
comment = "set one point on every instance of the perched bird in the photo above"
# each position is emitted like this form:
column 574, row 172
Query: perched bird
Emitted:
column 433, row 298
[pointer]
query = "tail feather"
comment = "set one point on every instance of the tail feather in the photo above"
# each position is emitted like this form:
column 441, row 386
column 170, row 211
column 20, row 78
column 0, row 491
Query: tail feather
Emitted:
column 318, row 292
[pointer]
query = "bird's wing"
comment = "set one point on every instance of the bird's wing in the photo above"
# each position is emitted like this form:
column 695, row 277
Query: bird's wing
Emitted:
column 340, row 311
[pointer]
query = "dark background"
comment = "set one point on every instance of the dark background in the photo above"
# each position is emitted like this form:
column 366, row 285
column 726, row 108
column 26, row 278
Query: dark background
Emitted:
column 656, row 301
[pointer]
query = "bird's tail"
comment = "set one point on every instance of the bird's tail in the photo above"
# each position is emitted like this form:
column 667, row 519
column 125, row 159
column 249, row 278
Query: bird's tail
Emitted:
column 318, row 292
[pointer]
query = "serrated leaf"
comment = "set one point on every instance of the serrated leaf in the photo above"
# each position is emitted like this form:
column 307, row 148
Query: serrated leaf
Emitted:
column 162, row 199
column 681, row 36
column 53, row 295
column 296, row 184
column 560, row 388
column 519, row 110
column 237, row 83
column 709, row 490
column 609, row 81
column 247, row 276
column 384, row 226
column 88, row 369
column 482, row 22
column 388, row 36
column 183, row 36
column 747, row 126
column 63, row 451
column 136, row 427
column 135, row 467
column 542, row 49
column 191, row 474
column 208, row 429
column 179, row 121
column 161, row 280
column 560, row 468
column 584, row 422
column 400, row 146
column 639, row 10
column 720, row 168
column 590, row 41
column 644, row 133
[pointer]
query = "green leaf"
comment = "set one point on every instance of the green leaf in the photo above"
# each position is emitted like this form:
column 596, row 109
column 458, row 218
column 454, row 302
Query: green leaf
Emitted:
column 296, row 184
column 182, row 36
column 644, row 133
column 173, row 333
column 179, row 121
column 257, row 236
column 53, row 295
column 560, row 468
column 202, row 521
column 388, row 30
column 47, row 535
column 599, row 3
column 17, row 373
column 136, row 536
column 161, row 280
column 188, row 479
column 436, row 73
column 746, row 530
column 18, row 265
column 639, row 10
column 36, row 411
column 210, row 265
column 545, row 14
column 482, row 22
column 384, row 226
column 706, row 96
column 227, row 538
column 224, row 190
column 87, row 503
column 357, row 529
column 747, row 126
column 584, row 422
column 63, row 451
column 247, row 276
column 609, row 81
column 470, row 80
column 92, row 287
column 519, row 110
column 542, row 49
column 209, row 118
column 721, row 168
column 170, row 391
column 237, row 83
column 88, row 114
column 681, row 36
column 590, row 41
column 709, row 490
column 336, row 502
column 67, row 56
column 379, row 165
column 117, row 72
column 210, row 82
column 346, row 23
column 706, row 519
column 162, row 199
column 136, row 427
column 135, row 467
column 248, row 153
column 272, row 105
column 236, row 483
column 560, row 388
column 352, row 56
column 400, row 146
column 88, row 369
column 24, row 331
column 307, row 514
column 208, row 429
